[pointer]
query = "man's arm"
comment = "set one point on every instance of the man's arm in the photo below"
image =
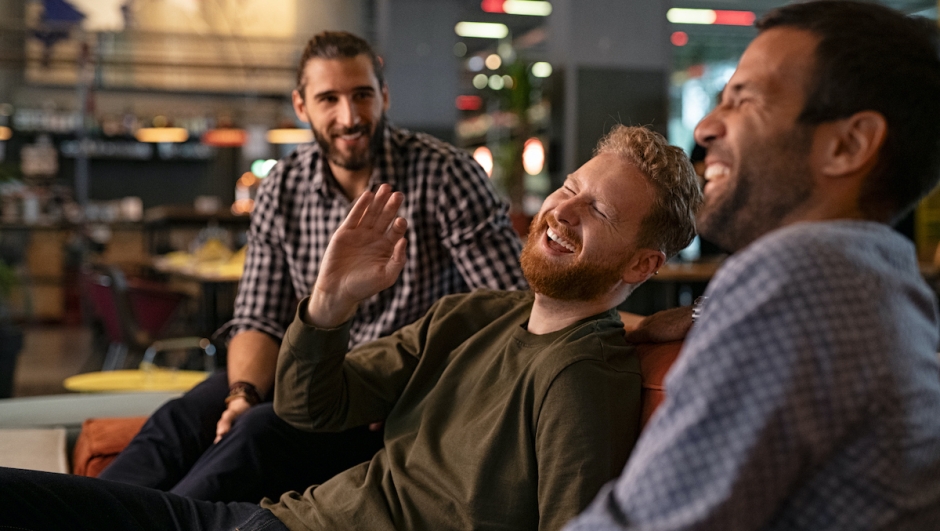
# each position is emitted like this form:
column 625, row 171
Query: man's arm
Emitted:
column 587, row 425
column 264, row 304
column 475, row 228
column 316, row 387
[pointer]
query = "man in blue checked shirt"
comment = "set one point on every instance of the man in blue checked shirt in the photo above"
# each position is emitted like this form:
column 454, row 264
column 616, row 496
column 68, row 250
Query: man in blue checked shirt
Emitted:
column 807, row 394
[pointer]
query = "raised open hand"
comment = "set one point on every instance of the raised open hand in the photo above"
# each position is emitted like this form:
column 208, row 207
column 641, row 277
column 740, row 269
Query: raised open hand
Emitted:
column 364, row 257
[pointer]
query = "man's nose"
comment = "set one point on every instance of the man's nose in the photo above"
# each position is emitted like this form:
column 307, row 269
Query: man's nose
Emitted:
column 347, row 115
column 567, row 211
column 710, row 128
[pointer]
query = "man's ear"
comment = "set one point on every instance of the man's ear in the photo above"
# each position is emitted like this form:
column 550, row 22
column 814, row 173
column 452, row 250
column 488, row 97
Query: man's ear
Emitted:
column 385, row 101
column 300, row 106
column 645, row 263
column 853, row 143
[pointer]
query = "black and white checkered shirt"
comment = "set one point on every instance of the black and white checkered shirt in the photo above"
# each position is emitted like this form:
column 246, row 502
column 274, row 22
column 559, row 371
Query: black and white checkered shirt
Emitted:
column 459, row 235
column 807, row 397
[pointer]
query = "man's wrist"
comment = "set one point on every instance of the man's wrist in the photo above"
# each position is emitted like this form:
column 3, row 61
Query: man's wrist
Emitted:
column 244, row 390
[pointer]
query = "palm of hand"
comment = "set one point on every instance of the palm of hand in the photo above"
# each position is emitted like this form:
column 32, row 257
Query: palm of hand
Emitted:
column 364, row 257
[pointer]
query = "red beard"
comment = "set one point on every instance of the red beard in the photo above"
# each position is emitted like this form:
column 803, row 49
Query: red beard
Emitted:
column 577, row 280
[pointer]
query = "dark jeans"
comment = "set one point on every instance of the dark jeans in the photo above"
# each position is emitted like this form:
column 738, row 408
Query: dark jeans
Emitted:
column 262, row 456
column 41, row 501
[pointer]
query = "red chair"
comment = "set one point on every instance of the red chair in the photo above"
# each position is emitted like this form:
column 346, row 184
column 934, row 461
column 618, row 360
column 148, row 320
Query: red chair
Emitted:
column 135, row 315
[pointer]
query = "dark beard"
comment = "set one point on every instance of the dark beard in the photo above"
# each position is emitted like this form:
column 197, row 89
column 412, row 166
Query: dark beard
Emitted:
column 771, row 183
column 580, row 281
column 356, row 162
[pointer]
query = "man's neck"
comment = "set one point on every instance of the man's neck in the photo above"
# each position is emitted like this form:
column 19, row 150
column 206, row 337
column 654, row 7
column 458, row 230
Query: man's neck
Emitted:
column 353, row 182
column 550, row 315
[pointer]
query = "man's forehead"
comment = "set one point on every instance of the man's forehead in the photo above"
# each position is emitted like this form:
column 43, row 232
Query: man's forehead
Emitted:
column 341, row 71
column 778, row 60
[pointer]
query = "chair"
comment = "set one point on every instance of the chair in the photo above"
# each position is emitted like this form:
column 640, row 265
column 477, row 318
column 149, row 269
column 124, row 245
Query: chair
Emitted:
column 135, row 315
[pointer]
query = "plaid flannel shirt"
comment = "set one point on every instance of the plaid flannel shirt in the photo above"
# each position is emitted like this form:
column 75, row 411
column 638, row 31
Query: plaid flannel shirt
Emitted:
column 459, row 235
column 807, row 397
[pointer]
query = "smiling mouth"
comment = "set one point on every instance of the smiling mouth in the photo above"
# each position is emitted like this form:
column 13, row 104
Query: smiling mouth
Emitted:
column 565, row 245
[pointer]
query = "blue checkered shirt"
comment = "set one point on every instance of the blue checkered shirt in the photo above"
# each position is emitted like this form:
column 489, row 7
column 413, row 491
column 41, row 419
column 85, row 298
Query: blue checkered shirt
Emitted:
column 459, row 235
column 806, row 397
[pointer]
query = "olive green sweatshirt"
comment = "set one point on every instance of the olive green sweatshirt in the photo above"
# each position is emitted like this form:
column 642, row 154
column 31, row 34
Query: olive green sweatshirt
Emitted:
column 486, row 425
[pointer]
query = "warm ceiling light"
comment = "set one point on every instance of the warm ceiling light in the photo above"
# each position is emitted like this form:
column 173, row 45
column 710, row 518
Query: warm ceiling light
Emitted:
column 161, row 134
column 484, row 158
column 533, row 156
column 481, row 30
column 678, row 15
column 5, row 133
column 493, row 61
column 225, row 137
column 290, row 136
column 527, row 7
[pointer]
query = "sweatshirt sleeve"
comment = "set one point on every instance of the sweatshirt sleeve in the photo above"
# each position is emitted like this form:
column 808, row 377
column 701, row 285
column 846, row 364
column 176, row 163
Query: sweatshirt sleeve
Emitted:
column 322, row 387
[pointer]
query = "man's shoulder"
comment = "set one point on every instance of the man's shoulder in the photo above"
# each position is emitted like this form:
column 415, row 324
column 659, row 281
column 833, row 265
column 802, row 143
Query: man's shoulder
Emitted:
column 810, row 251
column 295, row 165
column 415, row 145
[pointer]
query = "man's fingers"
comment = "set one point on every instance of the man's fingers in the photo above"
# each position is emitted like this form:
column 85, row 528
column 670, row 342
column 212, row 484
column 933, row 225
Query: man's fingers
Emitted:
column 358, row 209
column 389, row 212
column 371, row 216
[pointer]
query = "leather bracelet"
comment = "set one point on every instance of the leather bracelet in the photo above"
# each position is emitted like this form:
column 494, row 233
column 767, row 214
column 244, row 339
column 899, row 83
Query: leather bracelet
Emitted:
column 246, row 390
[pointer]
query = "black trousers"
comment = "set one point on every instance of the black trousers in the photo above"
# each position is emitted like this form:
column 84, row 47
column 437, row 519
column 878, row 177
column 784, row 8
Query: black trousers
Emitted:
column 262, row 456
column 42, row 501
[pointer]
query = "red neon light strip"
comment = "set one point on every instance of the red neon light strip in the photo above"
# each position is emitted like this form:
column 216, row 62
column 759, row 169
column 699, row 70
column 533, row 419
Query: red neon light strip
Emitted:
column 493, row 6
column 734, row 18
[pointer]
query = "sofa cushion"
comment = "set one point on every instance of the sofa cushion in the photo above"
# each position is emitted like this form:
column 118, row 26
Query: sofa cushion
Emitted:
column 100, row 441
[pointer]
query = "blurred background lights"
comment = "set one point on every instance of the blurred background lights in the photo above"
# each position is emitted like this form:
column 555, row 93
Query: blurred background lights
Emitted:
column 469, row 103
column 480, row 81
column 5, row 133
column 484, row 158
column 289, row 136
column 679, row 38
column 506, row 51
column 262, row 167
column 161, row 134
column 533, row 156
column 496, row 82
column 493, row 61
column 460, row 49
column 679, row 15
column 535, row 8
column 541, row 69
column 475, row 63
column 481, row 30
column 507, row 81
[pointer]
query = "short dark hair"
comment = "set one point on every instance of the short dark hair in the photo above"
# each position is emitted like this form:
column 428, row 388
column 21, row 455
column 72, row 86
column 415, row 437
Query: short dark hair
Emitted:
column 337, row 45
column 870, row 57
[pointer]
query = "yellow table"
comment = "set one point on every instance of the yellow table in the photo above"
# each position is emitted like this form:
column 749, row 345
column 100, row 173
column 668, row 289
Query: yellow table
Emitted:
column 134, row 380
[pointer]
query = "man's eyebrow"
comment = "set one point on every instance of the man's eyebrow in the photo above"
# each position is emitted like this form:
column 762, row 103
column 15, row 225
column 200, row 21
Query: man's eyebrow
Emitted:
column 332, row 92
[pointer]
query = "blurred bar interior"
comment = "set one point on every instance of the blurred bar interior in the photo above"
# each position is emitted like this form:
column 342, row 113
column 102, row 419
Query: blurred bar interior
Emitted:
column 134, row 135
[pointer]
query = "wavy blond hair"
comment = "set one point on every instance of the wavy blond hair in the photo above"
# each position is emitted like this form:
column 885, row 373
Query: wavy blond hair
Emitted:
column 670, row 224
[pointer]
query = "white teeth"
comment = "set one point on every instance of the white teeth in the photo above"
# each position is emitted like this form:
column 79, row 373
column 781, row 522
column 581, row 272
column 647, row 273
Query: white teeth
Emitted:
column 557, row 239
column 714, row 171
